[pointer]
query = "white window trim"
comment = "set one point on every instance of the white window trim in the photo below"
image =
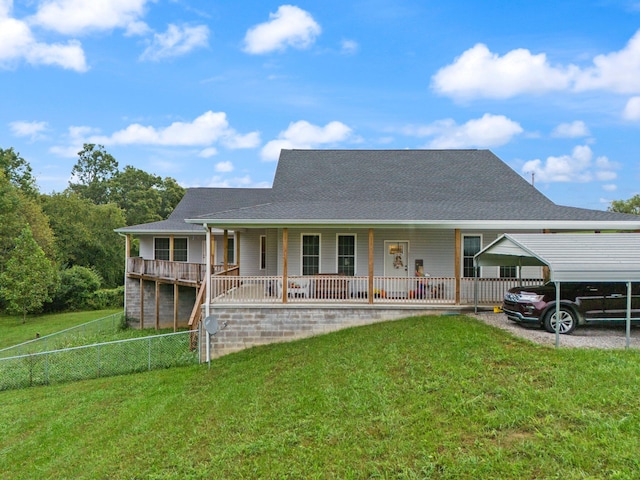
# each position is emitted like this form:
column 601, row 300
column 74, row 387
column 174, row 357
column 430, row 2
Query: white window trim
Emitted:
column 355, row 250
column 319, row 235
column 153, row 246
column 235, row 249
column 462, row 251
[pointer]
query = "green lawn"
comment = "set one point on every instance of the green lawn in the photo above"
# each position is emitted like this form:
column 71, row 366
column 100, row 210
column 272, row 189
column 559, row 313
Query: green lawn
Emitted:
column 13, row 331
column 430, row 397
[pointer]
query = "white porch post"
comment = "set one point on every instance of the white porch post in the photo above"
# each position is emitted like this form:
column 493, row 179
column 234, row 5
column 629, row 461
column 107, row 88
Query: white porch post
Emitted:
column 208, row 278
column 208, row 294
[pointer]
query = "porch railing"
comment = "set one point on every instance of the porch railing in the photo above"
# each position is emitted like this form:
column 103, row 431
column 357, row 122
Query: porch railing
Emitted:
column 344, row 289
column 491, row 290
column 176, row 271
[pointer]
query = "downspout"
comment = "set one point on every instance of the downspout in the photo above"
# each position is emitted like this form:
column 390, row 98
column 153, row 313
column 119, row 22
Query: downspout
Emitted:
column 208, row 270
column 207, row 292
column 127, row 252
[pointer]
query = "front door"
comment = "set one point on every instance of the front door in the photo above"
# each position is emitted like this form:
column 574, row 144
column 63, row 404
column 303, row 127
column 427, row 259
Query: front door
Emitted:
column 396, row 264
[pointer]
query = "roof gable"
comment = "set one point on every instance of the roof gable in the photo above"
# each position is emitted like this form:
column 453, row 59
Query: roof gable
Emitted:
column 454, row 176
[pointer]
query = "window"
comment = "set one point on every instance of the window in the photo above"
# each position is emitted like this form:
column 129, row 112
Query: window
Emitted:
column 470, row 246
column 180, row 250
column 162, row 246
column 310, row 254
column 161, row 249
column 231, row 250
column 263, row 252
column 347, row 254
column 509, row 272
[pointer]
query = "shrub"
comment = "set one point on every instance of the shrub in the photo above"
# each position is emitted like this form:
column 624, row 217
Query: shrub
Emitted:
column 107, row 298
column 76, row 289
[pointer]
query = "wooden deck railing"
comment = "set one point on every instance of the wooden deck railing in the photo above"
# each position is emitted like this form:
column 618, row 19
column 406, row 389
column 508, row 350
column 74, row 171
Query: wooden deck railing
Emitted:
column 344, row 289
column 194, row 273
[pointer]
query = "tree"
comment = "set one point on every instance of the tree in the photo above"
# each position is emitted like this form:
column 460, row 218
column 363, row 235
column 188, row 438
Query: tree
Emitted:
column 93, row 172
column 18, row 210
column 144, row 197
column 171, row 193
column 85, row 236
column 28, row 278
column 18, row 171
column 626, row 206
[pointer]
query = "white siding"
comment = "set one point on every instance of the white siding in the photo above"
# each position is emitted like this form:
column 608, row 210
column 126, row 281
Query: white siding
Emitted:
column 250, row 253
column 435, row 247
column 194, row 244
column 489, row 236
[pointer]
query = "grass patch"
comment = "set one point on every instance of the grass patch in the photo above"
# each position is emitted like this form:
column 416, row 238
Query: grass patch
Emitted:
column 13, row 331
column 428, row 397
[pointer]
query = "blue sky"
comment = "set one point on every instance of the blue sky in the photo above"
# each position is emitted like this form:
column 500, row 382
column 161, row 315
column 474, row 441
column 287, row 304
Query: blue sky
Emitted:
column 207, row 92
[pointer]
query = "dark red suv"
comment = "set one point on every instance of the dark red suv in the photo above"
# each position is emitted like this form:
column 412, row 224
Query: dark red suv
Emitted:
column 580, row 304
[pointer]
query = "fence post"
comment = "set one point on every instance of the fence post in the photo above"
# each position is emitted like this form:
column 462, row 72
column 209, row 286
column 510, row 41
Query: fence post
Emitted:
column 98, row 361
column 46, row 369
column 149, row 353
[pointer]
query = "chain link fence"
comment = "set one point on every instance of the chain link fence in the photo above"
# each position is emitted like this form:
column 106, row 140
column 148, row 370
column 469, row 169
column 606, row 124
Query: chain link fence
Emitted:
column 83, row 334
column 99, row 360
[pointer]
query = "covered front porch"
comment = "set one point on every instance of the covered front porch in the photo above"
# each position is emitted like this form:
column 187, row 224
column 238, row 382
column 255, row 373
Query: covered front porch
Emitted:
column 386, row 283
column 349, row 290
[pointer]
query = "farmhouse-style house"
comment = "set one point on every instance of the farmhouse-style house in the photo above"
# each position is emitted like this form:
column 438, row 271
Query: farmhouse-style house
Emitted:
column 348, row 234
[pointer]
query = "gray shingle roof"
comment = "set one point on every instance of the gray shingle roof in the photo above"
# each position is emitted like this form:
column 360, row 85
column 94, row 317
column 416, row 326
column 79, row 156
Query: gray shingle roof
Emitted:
column 405, row 185
column 201, row 201
column 457, row 176
column 379, row 186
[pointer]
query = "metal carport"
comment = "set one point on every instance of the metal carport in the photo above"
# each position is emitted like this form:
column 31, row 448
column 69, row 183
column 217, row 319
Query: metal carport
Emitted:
column 571, row 257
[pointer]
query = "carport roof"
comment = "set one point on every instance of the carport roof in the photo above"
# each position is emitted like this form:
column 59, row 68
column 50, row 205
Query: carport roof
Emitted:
column 571, row 257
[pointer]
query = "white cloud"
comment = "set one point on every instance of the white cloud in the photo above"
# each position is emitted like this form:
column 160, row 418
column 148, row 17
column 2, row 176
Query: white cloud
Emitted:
column 488, row 131
column 303, row 135
column 610, row 187
column 18, row 43
column 176, row 41
column 480, row 73
column 237, row 182
column 632, row 109
column 606, row 176
column 616, row 71
column 290, row 26
column 204, row 131
column 249, row 140
column 349, row 47
column 224, row 167
column 576, row 167
column 208, row 152
column 207, row 129
column 76, row 137
column 571, row 130
column 28, row 129
column 72, row 17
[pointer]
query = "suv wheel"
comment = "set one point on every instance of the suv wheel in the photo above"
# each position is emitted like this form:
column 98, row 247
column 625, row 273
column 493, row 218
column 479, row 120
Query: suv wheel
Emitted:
column 567, row 321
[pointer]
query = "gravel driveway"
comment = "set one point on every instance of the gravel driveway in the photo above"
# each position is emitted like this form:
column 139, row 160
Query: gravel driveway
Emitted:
column 607, row 337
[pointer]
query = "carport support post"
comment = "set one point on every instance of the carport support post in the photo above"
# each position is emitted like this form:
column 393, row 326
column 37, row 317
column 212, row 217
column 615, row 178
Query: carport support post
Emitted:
column 628, row 314
column 557, row 314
